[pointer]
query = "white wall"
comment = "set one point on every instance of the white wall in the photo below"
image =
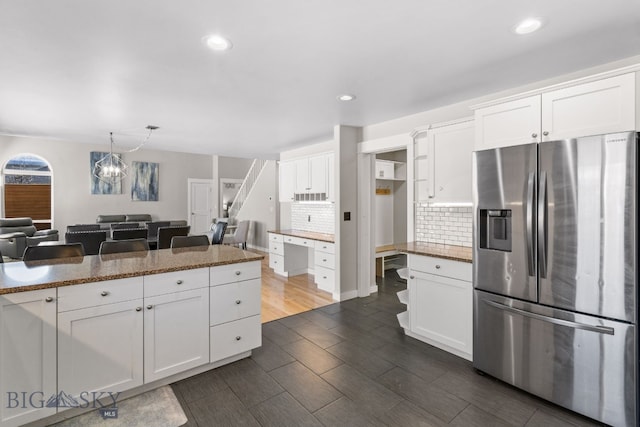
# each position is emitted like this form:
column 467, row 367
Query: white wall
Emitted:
column 261, row 207
column 72, row 199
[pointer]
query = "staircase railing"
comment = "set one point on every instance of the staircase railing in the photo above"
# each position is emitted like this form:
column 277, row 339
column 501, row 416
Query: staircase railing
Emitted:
column 246, row 187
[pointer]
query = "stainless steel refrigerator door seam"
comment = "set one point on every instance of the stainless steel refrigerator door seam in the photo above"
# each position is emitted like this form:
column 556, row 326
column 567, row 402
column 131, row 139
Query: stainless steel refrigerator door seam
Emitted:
column 542, row 225
column 531, row 188
column 591, row 328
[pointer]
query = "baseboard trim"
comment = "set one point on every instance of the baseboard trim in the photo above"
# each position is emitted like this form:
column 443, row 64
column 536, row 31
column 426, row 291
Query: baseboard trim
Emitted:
column 373, row 289
column 257, row 248
column 343, row 296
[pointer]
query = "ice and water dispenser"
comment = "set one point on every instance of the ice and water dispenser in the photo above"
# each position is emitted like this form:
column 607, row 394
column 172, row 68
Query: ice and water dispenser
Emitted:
column 495, row 229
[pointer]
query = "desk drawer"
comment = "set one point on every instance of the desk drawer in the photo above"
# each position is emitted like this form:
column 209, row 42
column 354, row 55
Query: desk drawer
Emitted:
column 276, row 248
column 235, row 272
column 327, row 247
column 325, row 260
column 325, row 279
column 236, row 337
column 442, row 267
column 299, row 241
column 99, row 293
column 234, row 301
column 165, row 283
column 276, row 262
column 275, row 237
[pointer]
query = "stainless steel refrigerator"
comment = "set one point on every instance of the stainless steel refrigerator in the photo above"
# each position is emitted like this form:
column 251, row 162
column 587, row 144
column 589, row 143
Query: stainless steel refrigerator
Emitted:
column 554, row 272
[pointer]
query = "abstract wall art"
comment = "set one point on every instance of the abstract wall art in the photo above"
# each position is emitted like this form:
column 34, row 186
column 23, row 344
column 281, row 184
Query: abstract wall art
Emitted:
column 144, row 181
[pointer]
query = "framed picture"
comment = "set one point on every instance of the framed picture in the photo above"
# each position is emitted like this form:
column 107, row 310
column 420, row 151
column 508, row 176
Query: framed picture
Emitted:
column 98, row 186
column 144, row 181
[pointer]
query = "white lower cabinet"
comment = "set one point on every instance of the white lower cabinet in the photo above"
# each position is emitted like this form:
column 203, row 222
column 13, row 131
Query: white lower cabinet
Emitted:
column 440, row 305
column 100, row 349
column 229, row 339
column 176, row 335
column 27, row 356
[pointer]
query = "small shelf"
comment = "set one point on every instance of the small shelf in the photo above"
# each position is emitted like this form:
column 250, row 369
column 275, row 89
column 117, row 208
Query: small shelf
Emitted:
column 403, row 297
column 403, row 319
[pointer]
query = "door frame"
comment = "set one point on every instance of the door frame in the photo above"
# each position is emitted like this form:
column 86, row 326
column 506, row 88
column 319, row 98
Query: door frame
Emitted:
column 367, row 151
column 212, row 205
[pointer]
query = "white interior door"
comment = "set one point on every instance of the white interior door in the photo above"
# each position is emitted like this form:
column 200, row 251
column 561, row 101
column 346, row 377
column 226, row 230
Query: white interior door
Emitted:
column 200, row 205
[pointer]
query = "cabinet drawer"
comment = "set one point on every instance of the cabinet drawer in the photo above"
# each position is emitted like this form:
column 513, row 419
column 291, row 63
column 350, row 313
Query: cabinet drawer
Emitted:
column 236, row 337
column 327, row 247
column 326, row 260
column 99, row 293
column 276, row 248
column 276, row 262
column 159, row 284
column 235, row 272
column 234, row 301
column 291, row 240
column 441, row 267
column 275, row 237
column 325, row 279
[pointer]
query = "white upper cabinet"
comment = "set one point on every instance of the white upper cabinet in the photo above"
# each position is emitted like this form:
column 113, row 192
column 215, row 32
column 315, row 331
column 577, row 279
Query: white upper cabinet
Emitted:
column 443, row 163
column 287, row 174
column 318, row 166
column 303, row 176
column 601, row 106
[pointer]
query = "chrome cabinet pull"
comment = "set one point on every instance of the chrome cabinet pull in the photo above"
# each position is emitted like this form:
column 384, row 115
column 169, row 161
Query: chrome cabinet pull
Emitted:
column 238, row 301
column 545, row 133
column 534, row 135
column 437, row 266
column 48, row 299
column 412, row 277
column 238, row 273
column 149, row 307
column 179, row 282
column 104, row 293
column 238, row 338
column 138, row 308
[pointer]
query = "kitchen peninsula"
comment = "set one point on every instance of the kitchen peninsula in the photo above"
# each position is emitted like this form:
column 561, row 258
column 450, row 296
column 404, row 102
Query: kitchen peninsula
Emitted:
column 122, row 323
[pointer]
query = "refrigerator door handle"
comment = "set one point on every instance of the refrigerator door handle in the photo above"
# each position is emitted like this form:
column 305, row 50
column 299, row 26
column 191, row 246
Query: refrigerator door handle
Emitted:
column 531, row 188
column 591, row 328
column 542, row 225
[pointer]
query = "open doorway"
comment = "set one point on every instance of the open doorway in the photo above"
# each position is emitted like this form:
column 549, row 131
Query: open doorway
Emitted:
column 390, row 216
column 229, row 188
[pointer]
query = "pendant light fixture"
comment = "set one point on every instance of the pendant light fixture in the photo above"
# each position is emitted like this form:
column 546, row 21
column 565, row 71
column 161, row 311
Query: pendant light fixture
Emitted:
column 111, row 169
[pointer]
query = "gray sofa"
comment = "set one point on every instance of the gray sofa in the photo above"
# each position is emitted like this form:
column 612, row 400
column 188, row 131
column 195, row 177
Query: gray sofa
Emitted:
column 18, row 233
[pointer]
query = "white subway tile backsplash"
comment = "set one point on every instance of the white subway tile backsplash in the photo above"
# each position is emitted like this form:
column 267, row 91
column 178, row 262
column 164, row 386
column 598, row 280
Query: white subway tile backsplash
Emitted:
column 443, row 224
column 316, row 217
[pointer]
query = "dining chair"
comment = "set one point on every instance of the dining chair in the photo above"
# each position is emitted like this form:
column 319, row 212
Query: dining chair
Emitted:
column 153, row 227
column 218, row 229
column 55, row 251
column 83, row 227
column 166, row 233
column 240, row 236
column 119, row 246
column 189, row 241
column 129, row 233
column 90, row 240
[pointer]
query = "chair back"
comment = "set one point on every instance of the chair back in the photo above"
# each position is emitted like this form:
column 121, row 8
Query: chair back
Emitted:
column 219, row 229
column 42, row 252
column 240, row 236
column 90, row 240
column 129, row 233
column 153, row 227
column 189, row 241
column 124, row 225
column 166, row 233
column 119, row 246
column 82, row 227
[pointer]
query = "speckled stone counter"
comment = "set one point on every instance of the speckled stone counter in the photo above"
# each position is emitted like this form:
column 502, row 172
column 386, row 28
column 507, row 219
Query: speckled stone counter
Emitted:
column 306, row 235
column 455, row 253
column 33, row 275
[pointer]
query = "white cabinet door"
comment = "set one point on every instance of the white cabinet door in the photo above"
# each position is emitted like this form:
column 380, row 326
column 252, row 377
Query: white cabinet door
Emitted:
column 100, row 349
column 318, row 173
column 303, row 179
column 287, row 174
column 603, row 106
column 441, row 311
column 27, row 356
column 510, row 123
column 331, row 179
column 176, row 333
column 450, row 149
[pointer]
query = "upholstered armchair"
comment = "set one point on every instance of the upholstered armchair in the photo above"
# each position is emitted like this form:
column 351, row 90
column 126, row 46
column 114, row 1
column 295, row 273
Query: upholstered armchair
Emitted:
column 18, row 233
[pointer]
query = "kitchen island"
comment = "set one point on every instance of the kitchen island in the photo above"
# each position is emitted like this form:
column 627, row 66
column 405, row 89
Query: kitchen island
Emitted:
column 120, row 325
column 439, row 296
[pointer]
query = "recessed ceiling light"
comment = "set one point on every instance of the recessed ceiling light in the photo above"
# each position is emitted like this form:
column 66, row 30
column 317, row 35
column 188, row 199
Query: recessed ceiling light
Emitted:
column 346, row 97
column 217, row 42
column 527, row 26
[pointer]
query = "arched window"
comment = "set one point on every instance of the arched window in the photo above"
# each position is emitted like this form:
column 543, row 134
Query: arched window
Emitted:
column 27, row 189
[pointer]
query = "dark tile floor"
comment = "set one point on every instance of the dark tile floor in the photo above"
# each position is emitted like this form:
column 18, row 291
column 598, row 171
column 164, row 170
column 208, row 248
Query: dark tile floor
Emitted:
column 350, row 364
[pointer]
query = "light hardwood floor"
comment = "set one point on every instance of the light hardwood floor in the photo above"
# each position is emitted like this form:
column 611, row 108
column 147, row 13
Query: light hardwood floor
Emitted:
column 282, row 297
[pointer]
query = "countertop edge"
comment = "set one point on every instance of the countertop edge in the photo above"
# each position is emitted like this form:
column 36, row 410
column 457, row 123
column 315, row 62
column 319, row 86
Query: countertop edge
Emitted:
column 436, row 251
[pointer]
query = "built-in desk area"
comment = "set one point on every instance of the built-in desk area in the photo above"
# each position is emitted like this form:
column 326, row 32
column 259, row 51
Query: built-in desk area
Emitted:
column 294, row 252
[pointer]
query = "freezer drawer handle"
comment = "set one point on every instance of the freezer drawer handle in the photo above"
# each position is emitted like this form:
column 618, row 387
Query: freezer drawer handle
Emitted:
column 591, row 328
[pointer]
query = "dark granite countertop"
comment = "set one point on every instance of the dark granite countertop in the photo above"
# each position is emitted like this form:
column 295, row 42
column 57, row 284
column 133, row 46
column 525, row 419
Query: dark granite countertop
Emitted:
column 438, row 250
column 34, row 275
column 323, row 237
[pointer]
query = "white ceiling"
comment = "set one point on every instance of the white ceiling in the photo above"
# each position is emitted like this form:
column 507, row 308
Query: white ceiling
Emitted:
column 77, row 69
